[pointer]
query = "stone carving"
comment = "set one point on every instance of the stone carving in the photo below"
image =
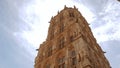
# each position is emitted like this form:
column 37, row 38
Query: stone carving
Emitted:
column 70, row 43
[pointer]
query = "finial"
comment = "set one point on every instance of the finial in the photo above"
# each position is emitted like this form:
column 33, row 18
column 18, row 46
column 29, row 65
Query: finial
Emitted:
column 104, row 52
column 65, row 7
column 49, row 22
column 74, row 7
column 88, row 23
column 58, row 12
column 37, row 49
column 52, row 17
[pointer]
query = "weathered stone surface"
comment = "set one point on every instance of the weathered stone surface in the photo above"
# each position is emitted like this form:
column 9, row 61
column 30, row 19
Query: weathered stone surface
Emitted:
column 70, row 44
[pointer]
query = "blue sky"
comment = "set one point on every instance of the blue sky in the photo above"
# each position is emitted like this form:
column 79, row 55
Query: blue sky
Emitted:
column 24, row 25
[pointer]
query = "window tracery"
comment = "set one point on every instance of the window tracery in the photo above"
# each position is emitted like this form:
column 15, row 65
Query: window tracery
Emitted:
column 61, row 62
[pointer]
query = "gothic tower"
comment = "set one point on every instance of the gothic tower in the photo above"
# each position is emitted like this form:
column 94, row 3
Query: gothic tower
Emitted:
column 70, row 44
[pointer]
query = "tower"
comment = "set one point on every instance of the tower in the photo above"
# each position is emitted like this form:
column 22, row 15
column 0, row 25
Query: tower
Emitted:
column 70, row 44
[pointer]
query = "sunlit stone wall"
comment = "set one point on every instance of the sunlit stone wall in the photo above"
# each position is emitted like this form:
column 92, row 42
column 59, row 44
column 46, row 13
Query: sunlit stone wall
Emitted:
column 70, row 44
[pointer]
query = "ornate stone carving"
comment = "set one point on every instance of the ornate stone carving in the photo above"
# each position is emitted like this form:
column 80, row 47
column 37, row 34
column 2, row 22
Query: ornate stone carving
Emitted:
column 70, row 44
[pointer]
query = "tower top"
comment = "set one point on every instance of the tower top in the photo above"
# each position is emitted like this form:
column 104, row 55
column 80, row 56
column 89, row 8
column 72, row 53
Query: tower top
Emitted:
column 66, row 9
column 70, row 44
column 68, row 13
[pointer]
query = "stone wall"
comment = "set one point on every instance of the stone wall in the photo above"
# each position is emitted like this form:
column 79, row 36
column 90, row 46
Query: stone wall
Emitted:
column 70, row 44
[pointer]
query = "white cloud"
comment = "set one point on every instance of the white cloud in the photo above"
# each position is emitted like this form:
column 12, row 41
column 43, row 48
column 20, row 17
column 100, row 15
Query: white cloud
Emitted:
column 105, row 21
column 38, row 13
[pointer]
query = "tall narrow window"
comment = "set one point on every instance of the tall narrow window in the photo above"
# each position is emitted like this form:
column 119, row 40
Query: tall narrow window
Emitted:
column 73, row 53
column 73, row 58
column 61, row 17
column 71, row 38
column 49, row 52
column 71, row 14
column 61, row 62
column 74, row 61
column 61, row 43
column 62, row 28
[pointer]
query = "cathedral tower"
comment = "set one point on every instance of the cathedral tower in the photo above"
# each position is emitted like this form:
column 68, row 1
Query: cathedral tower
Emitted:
column 70, row 44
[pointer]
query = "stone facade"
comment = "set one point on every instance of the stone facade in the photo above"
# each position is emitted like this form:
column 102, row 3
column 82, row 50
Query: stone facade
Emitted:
column 70, row 44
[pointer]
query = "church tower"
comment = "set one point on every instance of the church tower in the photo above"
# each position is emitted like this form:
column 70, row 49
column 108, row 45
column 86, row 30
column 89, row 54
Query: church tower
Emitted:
column 70, row 44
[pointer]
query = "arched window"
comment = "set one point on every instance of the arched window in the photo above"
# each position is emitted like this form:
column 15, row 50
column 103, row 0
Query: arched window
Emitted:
column 61, row 62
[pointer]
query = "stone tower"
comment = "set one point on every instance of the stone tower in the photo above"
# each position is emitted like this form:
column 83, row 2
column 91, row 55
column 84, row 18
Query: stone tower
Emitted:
column 70, row 44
